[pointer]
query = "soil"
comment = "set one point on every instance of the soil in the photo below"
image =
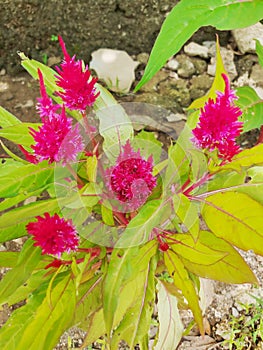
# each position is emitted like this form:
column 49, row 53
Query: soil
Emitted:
column 18, row 95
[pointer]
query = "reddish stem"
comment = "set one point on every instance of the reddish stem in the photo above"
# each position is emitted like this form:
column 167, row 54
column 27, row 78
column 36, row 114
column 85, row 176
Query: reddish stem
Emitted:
column 200, row 182
column 260, row 138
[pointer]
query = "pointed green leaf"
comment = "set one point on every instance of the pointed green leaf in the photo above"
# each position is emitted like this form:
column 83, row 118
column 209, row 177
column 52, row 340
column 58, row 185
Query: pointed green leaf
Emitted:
column 218, row 83
column 137, row 319
column 231, row 268
column 259, row 51
column 8, row 259
column 170, row 324
column 29, row 178
column 11, row 332
column 187, row 212
column 246, row 158
column 237, row 218
column 51, row 320
column 196, row 252
column 148, row 145
column 92, row 163
column 19, row 133
column 252, row 108
column 89, row 301
column 7, row 118
column 183, row 282
column 23, row 214
column 96, row 328
column 140, row 227
column 115, row 128
column 188, row 16
column 107, row 214
column 27, row 261
column 122, row 267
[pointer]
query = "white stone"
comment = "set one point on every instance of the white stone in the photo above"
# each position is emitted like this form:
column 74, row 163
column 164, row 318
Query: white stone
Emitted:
column 211, row 46
column 172, row 64
column 228, row 60
column 194, row 49
column 115, row 67
column 245, row 37
column 3, row 86
column 175, row 117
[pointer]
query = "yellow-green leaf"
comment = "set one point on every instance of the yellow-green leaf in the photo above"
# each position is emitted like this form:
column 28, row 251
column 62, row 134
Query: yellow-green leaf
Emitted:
column 218, row 84
column 237, row 218
column 230, row 268
column 183, row 282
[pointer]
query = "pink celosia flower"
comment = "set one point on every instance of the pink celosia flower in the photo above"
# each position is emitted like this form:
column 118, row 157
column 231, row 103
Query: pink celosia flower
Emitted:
column 77, row 84
column 45, row 105
column 131, row 179
column 218, row 125
column 56, row 140
column 54, row 235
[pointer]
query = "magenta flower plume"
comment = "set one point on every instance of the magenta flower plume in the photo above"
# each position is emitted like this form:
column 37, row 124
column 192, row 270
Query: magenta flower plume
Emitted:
column 131, row 179
column 56, row 140
column 77, row 84
column 54, row 235
column 45, row 105
column 218, row 125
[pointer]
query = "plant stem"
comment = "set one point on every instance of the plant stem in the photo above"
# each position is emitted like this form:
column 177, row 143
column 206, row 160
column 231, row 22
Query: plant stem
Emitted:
column 75, row 175
column 260, row 138
column 200, row 182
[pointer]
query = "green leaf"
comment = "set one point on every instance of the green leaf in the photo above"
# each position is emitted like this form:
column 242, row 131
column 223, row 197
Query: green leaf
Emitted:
column 8, row 165
column 230, row 268
column 148, row 145
column 198, row 164
column 12, row 232
column 8, row 259
column 51, row 320
column 259, row 51
column 115, row 128
column 19, row 133
column 218, row 83
column 252, row 108
column 123, row 267
column 23, row 214
column 107, row 214
column 13, row 155
column 95, row 329
column 13, row 329
column 187, row 211
column 29, row 178
column 92, row 163
column 27, row 261
column 196, row 252
column 7, row 118
column 188, row 16
column 183, row 282
column 246, row 158
column 170, row 324
column 139, row 228
column 137, row 319
column 237, row 218
column 89, row 301
column 35, row 281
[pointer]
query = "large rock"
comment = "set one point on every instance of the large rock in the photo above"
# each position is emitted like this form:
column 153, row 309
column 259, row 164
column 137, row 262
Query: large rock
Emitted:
column 27, row 25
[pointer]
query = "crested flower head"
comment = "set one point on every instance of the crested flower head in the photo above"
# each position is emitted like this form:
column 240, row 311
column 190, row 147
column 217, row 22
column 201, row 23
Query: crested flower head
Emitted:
column 77, row 84
column 54, row 235
column 218, row 125
column 131, row 179
column 45, row 106
column 56, row 140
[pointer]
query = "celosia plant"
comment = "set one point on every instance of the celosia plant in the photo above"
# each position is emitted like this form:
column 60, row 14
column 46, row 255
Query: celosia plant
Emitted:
column 117, row 224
